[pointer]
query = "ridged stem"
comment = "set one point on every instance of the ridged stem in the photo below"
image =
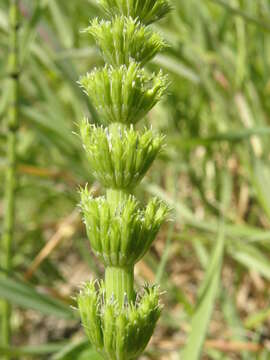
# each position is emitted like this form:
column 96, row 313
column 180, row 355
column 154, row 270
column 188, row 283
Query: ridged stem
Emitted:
column 119, row 284
column 116, row 196
column 9, row 195
column 119, row 281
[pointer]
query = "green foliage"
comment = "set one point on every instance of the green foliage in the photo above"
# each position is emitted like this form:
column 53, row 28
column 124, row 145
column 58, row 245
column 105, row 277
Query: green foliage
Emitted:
column 216, row 121
column 124, row 39
column 123, row 94
column 119, row 157
column 118, row 333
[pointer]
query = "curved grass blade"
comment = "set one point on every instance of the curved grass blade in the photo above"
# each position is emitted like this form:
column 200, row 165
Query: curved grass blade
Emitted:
column 77, row 351
column 24, row 295
column 31, row 351
column 205, row 305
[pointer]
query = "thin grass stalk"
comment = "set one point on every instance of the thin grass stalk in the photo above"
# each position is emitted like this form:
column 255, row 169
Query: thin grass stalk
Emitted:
column 10, row 186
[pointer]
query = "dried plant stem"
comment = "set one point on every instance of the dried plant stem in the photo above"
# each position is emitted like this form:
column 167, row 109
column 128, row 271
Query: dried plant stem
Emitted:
column 12, row 124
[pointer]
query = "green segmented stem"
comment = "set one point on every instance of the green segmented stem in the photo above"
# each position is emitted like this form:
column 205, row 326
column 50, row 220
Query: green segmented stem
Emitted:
column 119, row 285
column 9, row 196
column 118, row 321
column 119, row 281
column 116, row 196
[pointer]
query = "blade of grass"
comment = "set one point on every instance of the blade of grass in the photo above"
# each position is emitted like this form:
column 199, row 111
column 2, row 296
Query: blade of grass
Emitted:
column 24, row 295
column 77, row 351
column 260, row 176
column 255, row 320
column 252, row 258
column 31, row 351
column 185, row 215
column 235, row 323
column 176, row 67
column 205, row 305
column 63, row 26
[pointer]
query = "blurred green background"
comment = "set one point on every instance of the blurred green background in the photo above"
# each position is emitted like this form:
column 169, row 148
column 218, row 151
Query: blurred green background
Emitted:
column 212, row 259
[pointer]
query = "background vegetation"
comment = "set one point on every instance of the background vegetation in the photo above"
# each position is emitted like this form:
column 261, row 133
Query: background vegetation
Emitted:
column 213, row 259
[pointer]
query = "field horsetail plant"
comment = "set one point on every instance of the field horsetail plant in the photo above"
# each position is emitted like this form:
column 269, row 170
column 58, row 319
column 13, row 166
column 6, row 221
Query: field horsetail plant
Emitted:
column 118, row 321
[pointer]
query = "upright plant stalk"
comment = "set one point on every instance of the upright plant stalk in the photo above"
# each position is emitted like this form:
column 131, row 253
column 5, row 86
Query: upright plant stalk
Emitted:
column 9, row 196
column 118, row 320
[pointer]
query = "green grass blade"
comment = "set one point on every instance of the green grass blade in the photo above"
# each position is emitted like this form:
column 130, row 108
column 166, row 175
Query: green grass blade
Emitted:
column 205, row 305
column 31, row 351
column 256, row 320
column 260, row 176
column 185, row 215
column 24, row 295
column 252, row 258
column 62, row 24
column 77, row 351
column 176, row 67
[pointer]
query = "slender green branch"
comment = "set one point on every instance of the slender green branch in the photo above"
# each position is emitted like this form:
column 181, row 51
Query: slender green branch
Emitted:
column 12, row 125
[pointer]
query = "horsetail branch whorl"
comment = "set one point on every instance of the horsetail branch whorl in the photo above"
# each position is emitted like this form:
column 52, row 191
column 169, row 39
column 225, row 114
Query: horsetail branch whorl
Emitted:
column 121, row 233
column 119, row 333
column 123, row 94
column 119, row 157
column 123, row 39
column 118, row 321
column 147, row 11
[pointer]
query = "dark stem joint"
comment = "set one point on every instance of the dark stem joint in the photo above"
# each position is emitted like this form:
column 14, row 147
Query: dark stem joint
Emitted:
column 14, row 75
column 16, row 26
column 13, row 127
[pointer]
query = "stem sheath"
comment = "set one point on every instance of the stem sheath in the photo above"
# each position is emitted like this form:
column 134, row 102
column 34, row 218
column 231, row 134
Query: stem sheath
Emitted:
column 116, row 196
column 119, row 284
